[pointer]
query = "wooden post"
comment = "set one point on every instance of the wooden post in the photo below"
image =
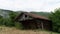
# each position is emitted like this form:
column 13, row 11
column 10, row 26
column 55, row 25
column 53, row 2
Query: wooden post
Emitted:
column 42, row 25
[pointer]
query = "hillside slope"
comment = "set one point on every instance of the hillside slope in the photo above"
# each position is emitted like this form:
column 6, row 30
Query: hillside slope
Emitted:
column 46, row 14
column 5, row 13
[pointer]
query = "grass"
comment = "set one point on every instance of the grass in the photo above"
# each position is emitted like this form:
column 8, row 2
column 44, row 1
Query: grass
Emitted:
column 12, row 30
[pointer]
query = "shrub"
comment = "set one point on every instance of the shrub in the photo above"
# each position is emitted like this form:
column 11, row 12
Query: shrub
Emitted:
column 18, row 25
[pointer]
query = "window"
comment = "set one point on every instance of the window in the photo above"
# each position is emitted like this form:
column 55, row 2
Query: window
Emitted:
column 25, row 15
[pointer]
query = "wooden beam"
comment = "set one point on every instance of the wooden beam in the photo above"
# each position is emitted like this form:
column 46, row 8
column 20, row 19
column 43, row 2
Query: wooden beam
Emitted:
column 42, row 25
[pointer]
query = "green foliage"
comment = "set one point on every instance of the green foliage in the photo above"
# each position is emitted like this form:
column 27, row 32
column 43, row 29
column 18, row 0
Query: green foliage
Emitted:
column 12, row 15
column 9, row 21
column 18, row 25
column 1, row 20
column 55, row 17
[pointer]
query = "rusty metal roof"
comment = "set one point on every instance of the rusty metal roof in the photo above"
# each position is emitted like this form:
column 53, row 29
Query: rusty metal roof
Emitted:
column 36, row 16
column 32, row 15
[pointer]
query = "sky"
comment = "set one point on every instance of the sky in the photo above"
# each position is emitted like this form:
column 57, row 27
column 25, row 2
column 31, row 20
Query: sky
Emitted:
column 30, row 5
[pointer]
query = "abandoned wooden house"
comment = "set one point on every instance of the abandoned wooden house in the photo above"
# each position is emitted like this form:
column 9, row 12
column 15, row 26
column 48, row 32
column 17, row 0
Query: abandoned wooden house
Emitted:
column 33, row 21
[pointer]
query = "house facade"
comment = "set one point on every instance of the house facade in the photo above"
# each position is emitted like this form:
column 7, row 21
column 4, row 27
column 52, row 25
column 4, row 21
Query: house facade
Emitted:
column 33, row 21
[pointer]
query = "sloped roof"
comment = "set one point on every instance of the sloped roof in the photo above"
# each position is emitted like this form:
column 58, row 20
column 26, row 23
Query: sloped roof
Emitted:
column 32, row 15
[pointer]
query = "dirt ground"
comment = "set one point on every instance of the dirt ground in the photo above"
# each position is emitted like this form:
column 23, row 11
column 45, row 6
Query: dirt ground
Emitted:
column 8, row 30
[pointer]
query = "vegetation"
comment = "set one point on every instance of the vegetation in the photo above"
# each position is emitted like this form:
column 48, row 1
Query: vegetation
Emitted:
column 13, row 30
column 55, row 17
column 1, row 20
column 7, row 19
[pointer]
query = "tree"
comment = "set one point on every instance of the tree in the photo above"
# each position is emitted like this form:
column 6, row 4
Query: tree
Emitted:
column 1, row 20
column 55, row 17
column 10, row 21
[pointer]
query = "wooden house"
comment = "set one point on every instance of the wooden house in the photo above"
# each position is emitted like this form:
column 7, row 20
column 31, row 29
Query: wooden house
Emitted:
column 33, row 21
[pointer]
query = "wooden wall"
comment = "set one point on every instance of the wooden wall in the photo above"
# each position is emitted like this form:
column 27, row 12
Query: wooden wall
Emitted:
column 37, row 24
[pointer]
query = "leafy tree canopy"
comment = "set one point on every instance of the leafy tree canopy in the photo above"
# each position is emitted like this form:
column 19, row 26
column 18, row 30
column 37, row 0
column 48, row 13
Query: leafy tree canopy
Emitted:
column 55, row 17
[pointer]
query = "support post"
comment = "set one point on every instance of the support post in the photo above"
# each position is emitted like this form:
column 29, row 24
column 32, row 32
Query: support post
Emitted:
column 42, row 25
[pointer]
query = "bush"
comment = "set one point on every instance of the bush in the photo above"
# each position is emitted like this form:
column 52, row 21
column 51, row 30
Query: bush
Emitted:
column 55, row 17
column 18, row 25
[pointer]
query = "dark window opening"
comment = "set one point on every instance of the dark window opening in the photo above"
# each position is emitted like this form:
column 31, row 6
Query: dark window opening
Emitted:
column 25, row 15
